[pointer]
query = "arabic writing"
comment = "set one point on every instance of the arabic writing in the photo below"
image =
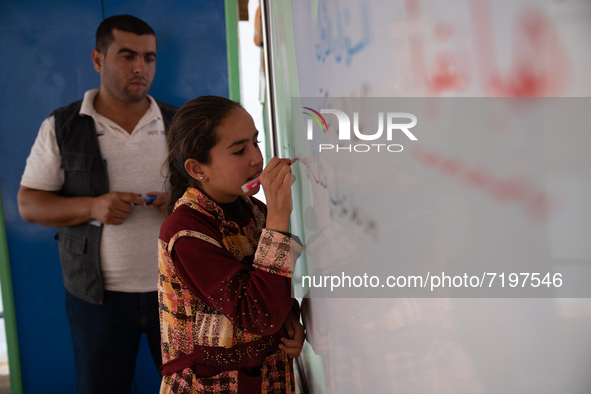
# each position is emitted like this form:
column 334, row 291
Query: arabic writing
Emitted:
column 343, row 32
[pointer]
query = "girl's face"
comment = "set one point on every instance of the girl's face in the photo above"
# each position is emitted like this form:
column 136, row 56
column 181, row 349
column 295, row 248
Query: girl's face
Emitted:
column 235, row 159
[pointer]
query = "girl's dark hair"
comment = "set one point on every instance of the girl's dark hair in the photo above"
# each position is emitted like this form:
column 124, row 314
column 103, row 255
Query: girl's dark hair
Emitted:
column 191, row 136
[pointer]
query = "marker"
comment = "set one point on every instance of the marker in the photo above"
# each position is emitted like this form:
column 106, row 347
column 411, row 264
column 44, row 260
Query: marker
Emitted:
column 248, row 186
column 147, row 200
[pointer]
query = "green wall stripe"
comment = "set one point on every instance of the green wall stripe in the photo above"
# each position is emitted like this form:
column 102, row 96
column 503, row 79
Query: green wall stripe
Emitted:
column 14, row 364
column 231, row 11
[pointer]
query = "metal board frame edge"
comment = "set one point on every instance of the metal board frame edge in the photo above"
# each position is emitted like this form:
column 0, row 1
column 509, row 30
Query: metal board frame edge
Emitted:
column 266, row 12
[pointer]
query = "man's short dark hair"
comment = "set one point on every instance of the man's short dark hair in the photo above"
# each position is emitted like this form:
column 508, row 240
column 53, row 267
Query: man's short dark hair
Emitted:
column 127, row 23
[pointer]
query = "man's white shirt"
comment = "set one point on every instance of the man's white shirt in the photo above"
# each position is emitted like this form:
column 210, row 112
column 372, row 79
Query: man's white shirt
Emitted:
column 128, row 252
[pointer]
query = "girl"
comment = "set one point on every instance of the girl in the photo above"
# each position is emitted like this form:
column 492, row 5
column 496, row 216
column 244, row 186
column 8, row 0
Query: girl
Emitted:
column 225, row 260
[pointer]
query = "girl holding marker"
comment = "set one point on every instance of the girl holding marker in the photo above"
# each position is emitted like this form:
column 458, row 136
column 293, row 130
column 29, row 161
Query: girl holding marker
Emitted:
column 228, row 321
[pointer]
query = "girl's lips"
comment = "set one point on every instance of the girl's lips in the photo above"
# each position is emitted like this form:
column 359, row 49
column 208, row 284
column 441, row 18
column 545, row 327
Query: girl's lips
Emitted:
column 255, row 176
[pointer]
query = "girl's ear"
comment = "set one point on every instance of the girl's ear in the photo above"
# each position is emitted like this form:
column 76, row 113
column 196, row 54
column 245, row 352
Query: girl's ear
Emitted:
column 194, row 169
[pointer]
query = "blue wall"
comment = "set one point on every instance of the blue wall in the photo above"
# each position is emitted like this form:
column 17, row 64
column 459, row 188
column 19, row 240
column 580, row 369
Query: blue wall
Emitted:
column 45, row 49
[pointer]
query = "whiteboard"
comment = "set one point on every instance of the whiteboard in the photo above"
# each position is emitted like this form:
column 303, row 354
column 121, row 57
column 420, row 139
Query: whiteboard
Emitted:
column 492, row 181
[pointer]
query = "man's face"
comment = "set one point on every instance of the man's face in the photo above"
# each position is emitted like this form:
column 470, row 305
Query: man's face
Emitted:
column 128, row 67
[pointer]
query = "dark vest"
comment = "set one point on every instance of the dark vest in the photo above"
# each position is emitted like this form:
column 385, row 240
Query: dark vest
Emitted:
column 85, row 176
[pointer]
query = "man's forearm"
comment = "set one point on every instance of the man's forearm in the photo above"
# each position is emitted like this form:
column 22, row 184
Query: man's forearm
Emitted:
column 51, row 209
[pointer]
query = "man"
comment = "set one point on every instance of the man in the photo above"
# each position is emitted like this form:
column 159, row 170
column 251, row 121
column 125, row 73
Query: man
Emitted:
column 87, row 172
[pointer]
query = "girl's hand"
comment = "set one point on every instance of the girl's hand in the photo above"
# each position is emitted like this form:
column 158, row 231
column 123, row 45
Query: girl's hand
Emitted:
column 293, row 345
column 276, row 180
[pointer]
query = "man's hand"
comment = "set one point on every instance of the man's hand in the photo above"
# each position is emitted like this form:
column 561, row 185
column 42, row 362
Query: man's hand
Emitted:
column 161, row 203
column 292, row 346
column 114, row 207
column 49, row 208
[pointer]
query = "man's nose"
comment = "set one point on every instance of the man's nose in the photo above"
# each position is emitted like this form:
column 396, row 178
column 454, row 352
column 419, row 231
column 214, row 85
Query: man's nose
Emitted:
column 139, row 66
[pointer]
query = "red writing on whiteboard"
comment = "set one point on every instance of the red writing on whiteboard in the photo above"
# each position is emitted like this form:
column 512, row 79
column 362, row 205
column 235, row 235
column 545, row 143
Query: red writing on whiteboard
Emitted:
column 539, row 65
column 442, row 72
column 516, row 190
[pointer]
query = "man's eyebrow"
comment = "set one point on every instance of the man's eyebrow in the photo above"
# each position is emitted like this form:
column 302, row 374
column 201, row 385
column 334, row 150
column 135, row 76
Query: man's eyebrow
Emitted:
column 127, row 50
column 242, row 141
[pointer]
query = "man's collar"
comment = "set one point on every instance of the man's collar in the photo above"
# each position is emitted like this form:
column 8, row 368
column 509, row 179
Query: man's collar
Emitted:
column 87, row 107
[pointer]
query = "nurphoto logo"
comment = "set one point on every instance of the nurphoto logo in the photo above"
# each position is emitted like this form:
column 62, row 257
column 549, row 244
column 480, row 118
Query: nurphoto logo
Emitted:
column 393, row 123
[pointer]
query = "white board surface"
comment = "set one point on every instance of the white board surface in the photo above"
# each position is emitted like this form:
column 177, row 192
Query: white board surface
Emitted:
column 506, row 193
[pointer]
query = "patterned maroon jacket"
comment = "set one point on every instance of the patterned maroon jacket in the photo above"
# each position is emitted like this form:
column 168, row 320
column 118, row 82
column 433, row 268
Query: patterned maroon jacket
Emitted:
column 224, row 291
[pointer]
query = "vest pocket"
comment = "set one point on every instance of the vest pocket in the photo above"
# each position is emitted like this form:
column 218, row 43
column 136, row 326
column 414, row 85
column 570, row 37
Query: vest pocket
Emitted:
column 77, row 168
column 75, row 262
column 72, row 241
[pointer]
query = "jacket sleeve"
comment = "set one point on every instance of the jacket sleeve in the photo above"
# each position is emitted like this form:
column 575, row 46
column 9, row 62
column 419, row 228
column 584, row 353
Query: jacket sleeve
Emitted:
column 256, row 299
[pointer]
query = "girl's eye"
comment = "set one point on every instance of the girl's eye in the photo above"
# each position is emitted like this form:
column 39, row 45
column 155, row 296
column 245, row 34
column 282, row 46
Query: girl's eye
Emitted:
column 241, row 151
column 256, row 143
